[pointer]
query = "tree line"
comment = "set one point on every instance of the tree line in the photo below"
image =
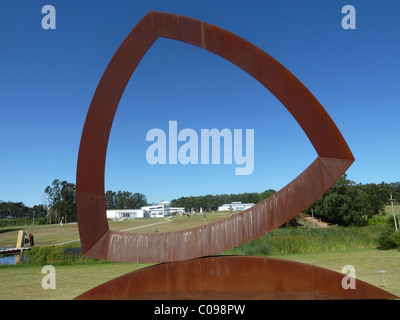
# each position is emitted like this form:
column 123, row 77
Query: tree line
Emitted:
column 62, row 204
column 21, row 214
column 212, row 202
column 346, row 203
column 382, row 190
column 125, row 200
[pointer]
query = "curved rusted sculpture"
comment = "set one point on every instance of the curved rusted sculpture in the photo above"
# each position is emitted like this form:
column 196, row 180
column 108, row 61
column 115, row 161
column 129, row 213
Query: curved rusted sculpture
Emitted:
column 231, row 278
column 219, row 277
column 334, row 156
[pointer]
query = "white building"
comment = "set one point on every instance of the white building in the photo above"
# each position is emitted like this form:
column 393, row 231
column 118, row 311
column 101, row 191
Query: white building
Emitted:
column 160, row 210
column 235, row 206
column 163, row 209
column 119, row 214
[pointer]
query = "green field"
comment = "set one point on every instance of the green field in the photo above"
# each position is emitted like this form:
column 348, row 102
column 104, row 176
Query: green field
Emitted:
column 24, row 281
column 367, row 263
column 389, row 210
column 56, row 234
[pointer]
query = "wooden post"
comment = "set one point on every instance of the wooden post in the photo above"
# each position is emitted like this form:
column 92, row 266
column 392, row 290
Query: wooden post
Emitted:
column 21, row 239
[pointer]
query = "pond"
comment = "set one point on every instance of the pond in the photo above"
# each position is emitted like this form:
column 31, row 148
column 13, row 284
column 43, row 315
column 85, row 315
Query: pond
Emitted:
column 10, row 259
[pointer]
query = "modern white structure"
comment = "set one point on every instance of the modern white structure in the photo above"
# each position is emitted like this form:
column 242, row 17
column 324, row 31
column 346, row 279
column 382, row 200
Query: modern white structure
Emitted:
column 163, row 209
column 119, row 214
column 235, row 206
column 160, row 210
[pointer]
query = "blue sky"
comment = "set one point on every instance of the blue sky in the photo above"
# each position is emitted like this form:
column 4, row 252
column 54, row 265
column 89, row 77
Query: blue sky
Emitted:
column 48, row 77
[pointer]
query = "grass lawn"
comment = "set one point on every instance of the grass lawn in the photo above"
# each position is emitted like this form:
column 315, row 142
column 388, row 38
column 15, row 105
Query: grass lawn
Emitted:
column 171, row 224
column 43, row 235
column 366, row 262
column 55, row 234
column 389, row 211
column 22, row 282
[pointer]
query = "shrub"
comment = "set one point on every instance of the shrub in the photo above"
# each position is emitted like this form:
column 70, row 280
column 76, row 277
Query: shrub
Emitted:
column 377, row 220
column 311, row 240
column 389, row 238
column 55, row 255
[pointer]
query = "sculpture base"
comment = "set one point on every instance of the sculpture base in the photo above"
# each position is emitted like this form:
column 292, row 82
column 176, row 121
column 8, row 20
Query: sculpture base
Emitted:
column 232, row 278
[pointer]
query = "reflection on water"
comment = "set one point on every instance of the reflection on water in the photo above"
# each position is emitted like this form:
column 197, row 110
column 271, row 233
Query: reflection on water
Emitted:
column 11, row 259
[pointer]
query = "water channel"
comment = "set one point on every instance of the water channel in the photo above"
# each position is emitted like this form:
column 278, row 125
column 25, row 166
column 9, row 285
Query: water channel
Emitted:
column 11, row 258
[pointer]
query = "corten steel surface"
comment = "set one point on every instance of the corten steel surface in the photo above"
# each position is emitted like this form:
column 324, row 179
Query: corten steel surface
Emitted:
column 231, row 278
column 334, row 156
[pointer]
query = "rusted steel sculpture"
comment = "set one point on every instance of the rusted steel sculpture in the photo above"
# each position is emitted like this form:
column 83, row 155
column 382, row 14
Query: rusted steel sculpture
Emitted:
column 232, row 277
column 334, row 156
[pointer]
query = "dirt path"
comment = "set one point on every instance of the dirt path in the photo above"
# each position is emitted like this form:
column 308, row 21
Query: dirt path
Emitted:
column 317, row 222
